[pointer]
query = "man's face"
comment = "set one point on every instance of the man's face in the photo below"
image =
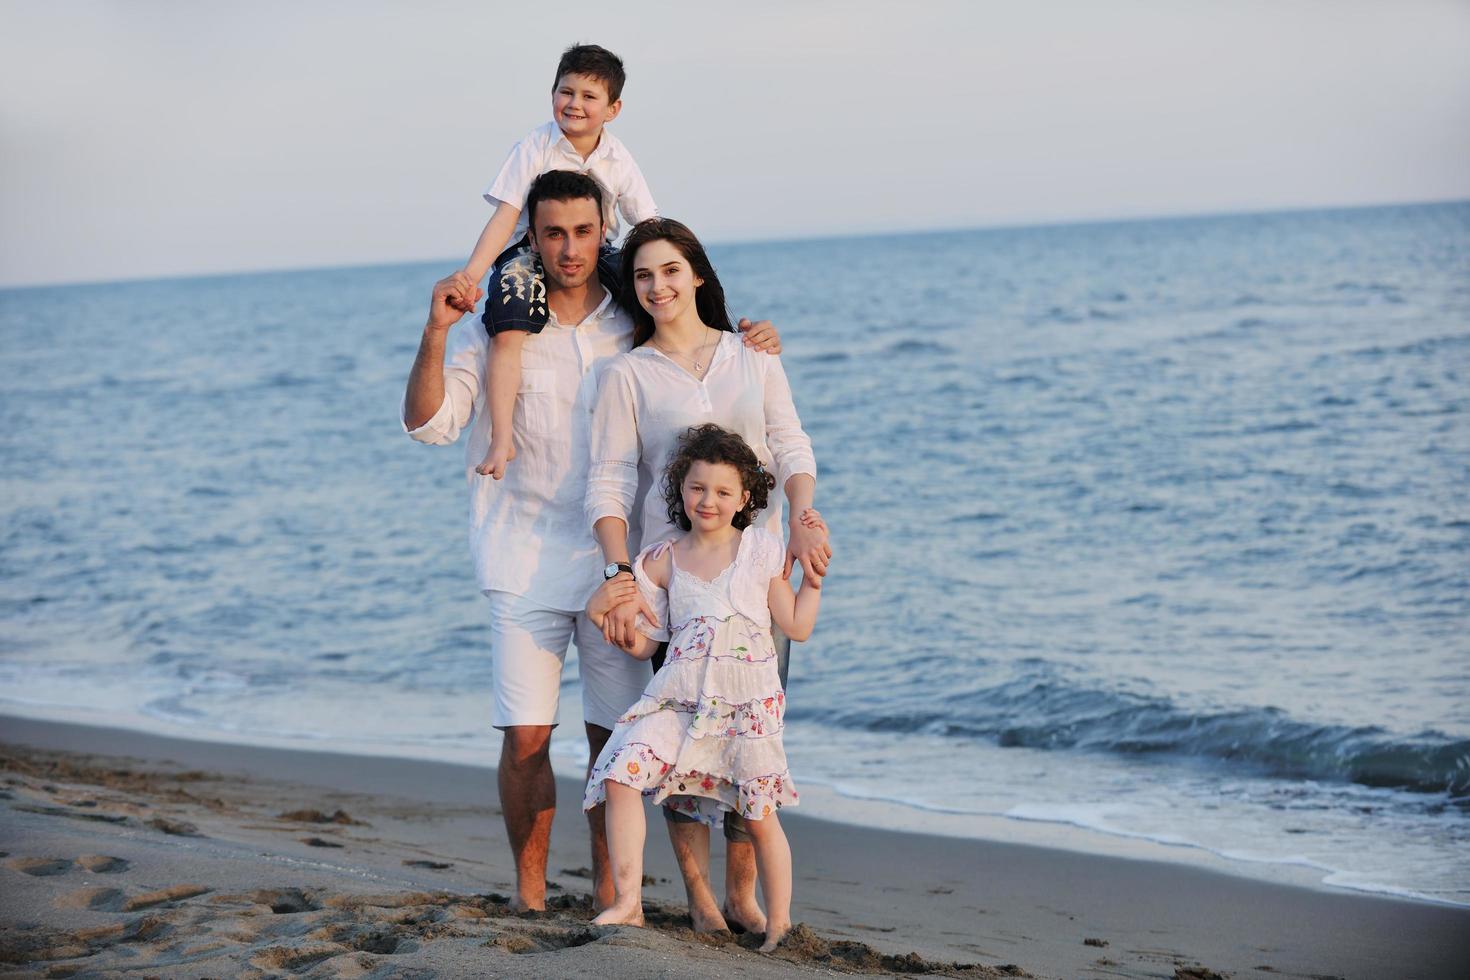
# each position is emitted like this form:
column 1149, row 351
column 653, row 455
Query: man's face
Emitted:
column 567, row 235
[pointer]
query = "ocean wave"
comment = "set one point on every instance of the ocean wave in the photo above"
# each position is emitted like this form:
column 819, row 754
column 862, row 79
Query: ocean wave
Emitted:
column 1057, row 715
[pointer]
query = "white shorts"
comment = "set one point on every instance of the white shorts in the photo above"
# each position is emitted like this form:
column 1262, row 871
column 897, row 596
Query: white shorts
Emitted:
column 529, row 644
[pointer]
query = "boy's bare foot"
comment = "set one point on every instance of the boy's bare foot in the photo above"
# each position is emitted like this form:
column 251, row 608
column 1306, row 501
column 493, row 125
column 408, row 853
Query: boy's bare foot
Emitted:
column 773, row 938
column 745, row 919
column 495, row 461
column 622, row 913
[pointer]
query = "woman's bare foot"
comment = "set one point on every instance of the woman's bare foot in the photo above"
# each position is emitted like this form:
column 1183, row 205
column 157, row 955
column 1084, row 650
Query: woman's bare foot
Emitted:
column 745, row 919
column 774, row 935
column 621, row 913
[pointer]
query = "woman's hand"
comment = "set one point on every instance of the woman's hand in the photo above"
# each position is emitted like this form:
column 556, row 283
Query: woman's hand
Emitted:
column 808, row 545
column 609, row 595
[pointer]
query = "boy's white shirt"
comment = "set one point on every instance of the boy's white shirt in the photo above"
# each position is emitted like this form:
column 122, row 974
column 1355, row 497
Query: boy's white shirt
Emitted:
column 528, row 533
column 546, row 148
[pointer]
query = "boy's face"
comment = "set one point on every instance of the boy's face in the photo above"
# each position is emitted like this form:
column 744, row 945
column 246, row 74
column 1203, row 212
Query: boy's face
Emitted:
column 567, row 235
column 580, row 106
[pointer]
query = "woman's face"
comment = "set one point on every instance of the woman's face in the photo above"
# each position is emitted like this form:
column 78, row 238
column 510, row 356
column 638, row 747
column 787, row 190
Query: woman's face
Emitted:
column 713, row 495
column 664, row 281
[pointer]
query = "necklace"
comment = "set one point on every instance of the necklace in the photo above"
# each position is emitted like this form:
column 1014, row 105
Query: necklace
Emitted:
column 694, row 359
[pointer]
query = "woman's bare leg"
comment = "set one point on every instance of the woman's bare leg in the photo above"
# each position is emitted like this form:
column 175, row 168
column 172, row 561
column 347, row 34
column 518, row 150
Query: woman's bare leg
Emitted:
column 625, row 832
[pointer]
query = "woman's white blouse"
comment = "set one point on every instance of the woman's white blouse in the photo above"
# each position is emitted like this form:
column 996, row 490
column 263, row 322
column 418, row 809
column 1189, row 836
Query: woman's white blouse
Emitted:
column 645, row 401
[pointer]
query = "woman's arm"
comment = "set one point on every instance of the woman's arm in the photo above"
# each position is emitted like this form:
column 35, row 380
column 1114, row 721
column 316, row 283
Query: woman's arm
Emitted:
column 796, row 468
column 612, row 489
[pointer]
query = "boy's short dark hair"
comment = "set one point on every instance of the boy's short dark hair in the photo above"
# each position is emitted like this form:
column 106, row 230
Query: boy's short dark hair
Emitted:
column 594, row 61
column 561, row 185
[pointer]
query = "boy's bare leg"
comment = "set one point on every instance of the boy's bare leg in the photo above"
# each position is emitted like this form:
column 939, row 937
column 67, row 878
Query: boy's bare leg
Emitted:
column 625, row 834
column 504, row 378
column 602, row 882
column 741, row 907
column 691, row 849
column 528, row 804
column 773, row 858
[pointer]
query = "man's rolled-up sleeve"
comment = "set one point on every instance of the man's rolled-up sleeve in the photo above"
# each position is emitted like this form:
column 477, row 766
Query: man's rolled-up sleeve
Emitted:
column 464, row 372
column 612, row 481
column 791, row 448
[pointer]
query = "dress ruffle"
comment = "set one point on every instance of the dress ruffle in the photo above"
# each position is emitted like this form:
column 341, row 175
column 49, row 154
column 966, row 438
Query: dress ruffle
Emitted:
column 706, row 736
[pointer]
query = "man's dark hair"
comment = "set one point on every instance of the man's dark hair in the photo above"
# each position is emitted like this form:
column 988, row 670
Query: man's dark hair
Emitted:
column 709, row 443
column 594, row 61
column 561, row 185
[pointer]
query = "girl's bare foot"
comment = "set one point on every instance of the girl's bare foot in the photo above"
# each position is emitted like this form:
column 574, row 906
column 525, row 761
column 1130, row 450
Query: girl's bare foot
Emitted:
column 774, row 935
column 744, row 919
column 621, row 913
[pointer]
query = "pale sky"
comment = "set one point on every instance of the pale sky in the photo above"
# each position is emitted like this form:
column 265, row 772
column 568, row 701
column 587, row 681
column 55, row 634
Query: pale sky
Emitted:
column 147, row 138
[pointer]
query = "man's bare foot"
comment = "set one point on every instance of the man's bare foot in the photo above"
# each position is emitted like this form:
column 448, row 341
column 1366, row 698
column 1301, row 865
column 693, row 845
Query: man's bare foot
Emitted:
column 745, row 918
column 707, row 918
column 774, row 937
column 628, row 913
column 520, row 904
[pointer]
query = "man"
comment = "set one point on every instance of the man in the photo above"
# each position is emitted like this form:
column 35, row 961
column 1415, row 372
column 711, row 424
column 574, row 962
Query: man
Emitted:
column 535, row 559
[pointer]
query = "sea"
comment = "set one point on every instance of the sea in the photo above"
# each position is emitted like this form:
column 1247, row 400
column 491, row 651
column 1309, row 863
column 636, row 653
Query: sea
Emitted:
column 1151, row 537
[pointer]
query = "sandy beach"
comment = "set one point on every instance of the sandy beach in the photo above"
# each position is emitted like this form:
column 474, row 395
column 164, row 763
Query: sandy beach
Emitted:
column 133, row 854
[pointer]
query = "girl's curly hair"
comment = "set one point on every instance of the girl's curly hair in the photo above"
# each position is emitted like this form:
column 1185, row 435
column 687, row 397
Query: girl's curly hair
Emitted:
column 709, row 443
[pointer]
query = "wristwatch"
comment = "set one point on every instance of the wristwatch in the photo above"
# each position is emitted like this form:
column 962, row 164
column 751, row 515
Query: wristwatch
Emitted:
column 612, row 570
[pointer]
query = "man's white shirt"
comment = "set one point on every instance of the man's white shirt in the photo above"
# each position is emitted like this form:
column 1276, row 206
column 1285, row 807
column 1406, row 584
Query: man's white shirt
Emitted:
column 528, row 532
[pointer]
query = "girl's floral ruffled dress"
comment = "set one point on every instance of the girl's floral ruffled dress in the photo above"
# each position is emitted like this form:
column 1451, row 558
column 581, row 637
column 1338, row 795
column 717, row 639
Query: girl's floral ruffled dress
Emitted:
column 706, row 735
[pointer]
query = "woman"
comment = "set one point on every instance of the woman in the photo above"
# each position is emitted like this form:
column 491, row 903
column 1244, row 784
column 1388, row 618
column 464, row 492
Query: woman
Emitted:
column 688, row 367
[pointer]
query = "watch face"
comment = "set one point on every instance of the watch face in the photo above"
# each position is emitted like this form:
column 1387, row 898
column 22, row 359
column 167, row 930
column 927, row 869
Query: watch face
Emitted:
column 610, row 571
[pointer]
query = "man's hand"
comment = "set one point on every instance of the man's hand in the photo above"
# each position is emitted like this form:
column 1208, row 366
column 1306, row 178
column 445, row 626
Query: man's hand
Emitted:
column 454, row 296
column 760, row 336
column 808, row 545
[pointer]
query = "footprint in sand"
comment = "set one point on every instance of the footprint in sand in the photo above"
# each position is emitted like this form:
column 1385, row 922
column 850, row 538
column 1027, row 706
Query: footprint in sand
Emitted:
column 94, row 899
column 39, row 867
column 102, row 864
column 174, row 893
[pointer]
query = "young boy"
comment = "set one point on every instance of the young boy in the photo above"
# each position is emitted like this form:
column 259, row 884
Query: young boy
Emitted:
column 587, row 96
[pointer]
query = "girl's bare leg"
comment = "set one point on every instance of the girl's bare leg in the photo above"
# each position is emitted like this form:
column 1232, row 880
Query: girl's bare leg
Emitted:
column 625, row 832
column 773, row 863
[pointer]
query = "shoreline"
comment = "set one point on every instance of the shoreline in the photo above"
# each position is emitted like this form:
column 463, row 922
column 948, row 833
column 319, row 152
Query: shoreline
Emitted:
column 821, row 798
column 949, row 900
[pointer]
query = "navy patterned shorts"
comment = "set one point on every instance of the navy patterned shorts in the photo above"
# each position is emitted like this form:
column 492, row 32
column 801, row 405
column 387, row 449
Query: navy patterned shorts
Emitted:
column 517, row 299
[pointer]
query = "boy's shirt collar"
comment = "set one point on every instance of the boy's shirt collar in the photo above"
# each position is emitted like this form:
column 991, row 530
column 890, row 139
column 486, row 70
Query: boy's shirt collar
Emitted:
column 606, row 145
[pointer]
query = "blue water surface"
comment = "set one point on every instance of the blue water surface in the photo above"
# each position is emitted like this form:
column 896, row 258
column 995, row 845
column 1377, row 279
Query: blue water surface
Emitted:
column 1158, row 527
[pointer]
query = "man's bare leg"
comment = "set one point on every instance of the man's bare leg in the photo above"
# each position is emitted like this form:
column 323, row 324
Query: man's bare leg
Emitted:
column 691, row 850
column 602, row 881
column 528, row 803
column 740, row 907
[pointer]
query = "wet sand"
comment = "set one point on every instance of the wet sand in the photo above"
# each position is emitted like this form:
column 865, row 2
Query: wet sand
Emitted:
column 132, row 853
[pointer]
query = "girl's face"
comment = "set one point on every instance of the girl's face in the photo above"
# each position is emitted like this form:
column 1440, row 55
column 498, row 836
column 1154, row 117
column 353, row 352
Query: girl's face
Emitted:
column 664, row 281
column 713, row 495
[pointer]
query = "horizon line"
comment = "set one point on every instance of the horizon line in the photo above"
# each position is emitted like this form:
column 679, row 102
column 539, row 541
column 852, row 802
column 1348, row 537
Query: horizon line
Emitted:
column 773, row 240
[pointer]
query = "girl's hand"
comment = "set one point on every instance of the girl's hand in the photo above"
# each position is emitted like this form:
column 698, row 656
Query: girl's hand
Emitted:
column 808, row 545
column 609, row 595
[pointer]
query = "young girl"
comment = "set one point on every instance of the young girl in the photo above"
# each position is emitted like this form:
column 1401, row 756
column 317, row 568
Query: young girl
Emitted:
column 706, row 735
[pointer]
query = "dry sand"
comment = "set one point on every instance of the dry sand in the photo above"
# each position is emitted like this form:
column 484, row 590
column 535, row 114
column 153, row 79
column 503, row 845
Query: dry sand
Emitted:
column 132, row 854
